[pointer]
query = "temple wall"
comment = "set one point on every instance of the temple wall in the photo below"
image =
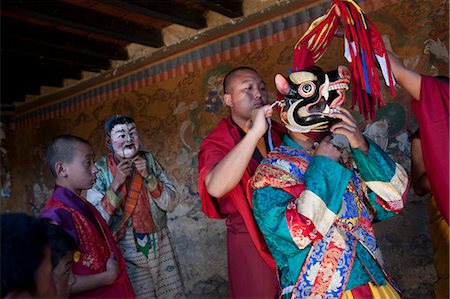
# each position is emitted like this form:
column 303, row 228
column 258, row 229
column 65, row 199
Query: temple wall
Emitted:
column 177, row 100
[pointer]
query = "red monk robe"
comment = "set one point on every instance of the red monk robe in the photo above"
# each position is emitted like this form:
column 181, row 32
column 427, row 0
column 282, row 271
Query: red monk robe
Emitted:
column 95, row 242
column 251, row 269
column 432, row 113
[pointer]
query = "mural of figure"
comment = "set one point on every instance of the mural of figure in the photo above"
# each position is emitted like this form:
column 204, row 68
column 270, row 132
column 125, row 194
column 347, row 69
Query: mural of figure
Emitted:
column 133, row 193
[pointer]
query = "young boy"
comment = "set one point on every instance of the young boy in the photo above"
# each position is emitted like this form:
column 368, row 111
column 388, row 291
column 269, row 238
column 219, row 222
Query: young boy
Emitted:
column 63, row 247
column 98, row 266
column 133, row 193
column 26, row 269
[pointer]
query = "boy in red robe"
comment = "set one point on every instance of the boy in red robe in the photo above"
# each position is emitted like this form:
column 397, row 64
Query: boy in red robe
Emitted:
column 98, row 264
column 227, row 159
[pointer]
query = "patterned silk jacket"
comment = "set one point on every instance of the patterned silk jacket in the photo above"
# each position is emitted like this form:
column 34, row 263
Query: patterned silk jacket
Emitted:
column 316, row 216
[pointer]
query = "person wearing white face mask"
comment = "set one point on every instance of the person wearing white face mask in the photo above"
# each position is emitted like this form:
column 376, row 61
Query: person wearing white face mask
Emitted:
column 133, row 194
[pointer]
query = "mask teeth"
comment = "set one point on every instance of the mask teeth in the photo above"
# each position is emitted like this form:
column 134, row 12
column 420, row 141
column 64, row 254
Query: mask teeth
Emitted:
column 325, row 93
column 326, row 110
column 338, row 86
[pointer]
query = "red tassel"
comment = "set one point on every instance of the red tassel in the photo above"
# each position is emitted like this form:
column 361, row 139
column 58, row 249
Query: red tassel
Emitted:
column 365, row 38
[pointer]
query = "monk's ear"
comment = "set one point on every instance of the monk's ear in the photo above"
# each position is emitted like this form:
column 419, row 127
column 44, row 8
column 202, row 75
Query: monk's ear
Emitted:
column 282, row 84
column 228, row 100
column 60, row 169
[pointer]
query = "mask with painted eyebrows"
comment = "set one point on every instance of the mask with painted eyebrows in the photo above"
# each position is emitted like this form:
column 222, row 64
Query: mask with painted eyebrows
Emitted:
column 308, row 95
column 125, row 140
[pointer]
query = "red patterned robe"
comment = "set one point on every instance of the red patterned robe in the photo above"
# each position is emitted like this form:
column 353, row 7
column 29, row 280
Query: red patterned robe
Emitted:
column 95, row 242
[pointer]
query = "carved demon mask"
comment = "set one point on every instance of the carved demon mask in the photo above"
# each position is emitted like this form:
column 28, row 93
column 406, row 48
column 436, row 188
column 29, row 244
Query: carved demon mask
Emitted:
column 309, row 95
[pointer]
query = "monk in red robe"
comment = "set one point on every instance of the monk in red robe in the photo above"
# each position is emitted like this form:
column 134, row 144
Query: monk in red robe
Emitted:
column 228, row 158
column 98, row 264
column 430, row 104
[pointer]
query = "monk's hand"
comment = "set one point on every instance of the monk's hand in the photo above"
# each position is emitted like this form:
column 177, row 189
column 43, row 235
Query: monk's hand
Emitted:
column 349, row 129
column 112, row 269
column 327, row 149
column 141, row 165
column 121, row 173
column 258, row 122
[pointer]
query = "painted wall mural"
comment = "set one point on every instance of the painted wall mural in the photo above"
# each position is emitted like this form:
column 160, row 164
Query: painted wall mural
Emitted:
column 176, row 112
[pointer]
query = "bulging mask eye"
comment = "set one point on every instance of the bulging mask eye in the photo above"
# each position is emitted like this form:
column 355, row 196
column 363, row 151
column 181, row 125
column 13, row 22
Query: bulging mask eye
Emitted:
column 306, row 89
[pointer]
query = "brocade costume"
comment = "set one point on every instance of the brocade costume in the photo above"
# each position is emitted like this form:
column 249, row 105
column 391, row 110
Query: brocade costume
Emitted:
column 316, row 216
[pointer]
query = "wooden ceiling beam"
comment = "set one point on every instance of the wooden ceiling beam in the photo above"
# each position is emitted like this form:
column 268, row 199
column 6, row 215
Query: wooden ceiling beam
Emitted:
column 52, row 54
column 11, row 61
column 169, row 10
column 11, row 95
column 88, row 20
column 36, row 35
column 231, row 9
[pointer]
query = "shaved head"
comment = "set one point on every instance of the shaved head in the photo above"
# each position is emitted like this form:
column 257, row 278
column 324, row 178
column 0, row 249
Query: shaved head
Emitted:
column 62, row 148
column 230, row 75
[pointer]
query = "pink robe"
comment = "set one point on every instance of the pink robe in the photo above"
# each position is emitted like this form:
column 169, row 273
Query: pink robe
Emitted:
column 251, row 268
column 432, row 113
column 95, row 242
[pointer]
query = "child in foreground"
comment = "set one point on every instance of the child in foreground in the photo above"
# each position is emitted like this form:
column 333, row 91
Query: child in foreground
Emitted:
column 98, row 264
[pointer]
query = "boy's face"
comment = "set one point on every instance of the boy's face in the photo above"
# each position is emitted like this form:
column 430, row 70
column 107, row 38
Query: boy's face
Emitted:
column 125, row 140
column 63, row 276
column 246, row 92
column 45, row 287
column 81, row 171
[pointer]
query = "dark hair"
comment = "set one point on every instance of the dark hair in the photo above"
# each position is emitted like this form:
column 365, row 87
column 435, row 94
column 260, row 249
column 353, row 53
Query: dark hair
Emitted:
column 23, row 241
column 61, row 148
column 116, row 120
column 60, row 242
column 230, row 75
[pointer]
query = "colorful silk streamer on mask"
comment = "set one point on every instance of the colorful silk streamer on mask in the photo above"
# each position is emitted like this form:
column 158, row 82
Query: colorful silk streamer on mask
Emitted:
column 364, row 49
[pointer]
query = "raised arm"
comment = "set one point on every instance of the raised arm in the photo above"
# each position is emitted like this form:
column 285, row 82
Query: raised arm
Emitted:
column 229, row 171
column 407, row 78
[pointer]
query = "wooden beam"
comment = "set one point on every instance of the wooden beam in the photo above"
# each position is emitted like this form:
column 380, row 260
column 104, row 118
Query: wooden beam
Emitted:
column 11, row 61
column 11, row 95
column 88, row 20
column 52, row 54
column 168, row 10
column 231, row 9
column 36, row 35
